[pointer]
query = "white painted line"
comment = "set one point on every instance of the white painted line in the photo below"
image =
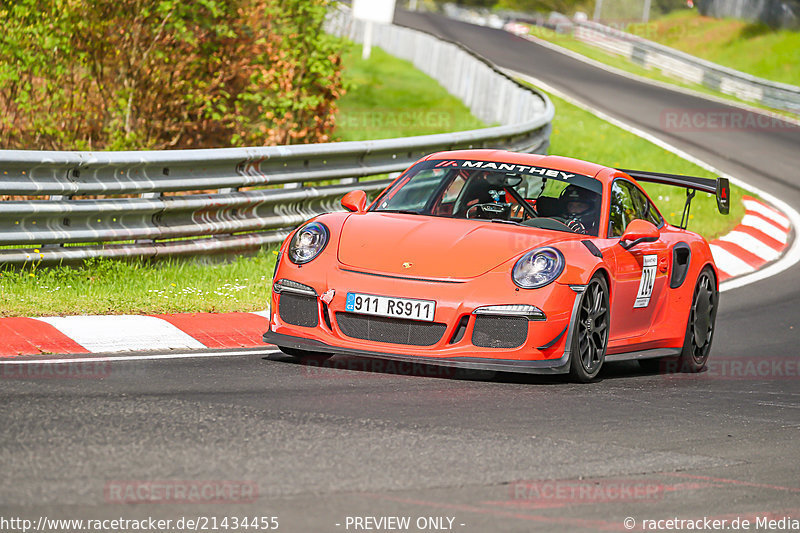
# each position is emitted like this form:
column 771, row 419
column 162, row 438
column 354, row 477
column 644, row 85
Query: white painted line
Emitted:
column 264, row 313
column 762, row 225
column 752, row 245
column 728, row 262
column 141, row 357
column 758, row 207
column 790, row 258
column 123, row 333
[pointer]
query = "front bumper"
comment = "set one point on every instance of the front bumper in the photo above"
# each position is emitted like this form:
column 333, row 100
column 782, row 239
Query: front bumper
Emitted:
column 545, row 366
column 546, row 342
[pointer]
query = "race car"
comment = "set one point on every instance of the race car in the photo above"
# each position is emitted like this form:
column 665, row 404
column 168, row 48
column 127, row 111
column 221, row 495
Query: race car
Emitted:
column 502, row 261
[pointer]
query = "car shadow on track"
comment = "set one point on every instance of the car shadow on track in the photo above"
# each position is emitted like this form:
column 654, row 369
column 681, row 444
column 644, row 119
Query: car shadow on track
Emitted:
column 352, row 367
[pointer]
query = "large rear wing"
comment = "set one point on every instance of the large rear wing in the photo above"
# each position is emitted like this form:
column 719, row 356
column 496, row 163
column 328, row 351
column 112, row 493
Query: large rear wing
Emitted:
column 718, row 187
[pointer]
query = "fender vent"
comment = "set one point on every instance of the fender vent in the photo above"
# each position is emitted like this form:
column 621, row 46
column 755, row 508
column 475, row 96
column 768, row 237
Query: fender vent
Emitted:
column 681, row 256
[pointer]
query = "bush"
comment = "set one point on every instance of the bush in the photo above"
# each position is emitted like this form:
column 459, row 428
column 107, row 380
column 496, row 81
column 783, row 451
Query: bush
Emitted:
column 157, row 74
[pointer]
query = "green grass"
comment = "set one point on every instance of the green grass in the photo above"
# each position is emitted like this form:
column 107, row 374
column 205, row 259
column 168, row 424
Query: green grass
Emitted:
column 578, row 133
column 624, row 64
column 137, row 287
column 752, row 48
column 387, row 97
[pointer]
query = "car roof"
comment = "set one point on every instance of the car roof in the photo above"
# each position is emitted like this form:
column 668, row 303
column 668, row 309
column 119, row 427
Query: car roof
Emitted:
column 556, row 162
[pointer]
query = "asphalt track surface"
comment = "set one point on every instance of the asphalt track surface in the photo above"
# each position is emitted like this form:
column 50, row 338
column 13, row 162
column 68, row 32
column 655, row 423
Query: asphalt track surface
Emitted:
column 371, row 439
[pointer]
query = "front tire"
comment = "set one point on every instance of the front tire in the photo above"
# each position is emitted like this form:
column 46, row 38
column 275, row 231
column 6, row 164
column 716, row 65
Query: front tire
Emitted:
column 590, row 331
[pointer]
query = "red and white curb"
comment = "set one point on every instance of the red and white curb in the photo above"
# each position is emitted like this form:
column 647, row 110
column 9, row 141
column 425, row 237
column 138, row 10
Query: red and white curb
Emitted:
column 130, row 333
column 760, row 238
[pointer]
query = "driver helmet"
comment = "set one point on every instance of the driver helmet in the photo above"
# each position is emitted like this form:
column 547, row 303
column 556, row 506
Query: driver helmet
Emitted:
column 580, row 204
column 578, row 201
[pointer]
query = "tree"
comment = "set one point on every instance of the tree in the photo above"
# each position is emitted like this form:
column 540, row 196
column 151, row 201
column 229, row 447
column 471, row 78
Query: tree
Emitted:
column 136, row 74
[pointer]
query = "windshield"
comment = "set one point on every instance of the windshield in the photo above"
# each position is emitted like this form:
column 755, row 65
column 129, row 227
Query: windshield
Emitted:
column 531, row 196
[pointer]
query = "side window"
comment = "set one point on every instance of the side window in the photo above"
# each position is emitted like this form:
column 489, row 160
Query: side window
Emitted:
column 622, row 210
column 644, row 209
column 531, row 187
column 654, row 216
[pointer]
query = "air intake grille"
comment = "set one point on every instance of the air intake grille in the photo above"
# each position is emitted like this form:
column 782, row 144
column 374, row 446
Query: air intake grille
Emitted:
column 499, row 332
column 298, row 310
column 391, row 330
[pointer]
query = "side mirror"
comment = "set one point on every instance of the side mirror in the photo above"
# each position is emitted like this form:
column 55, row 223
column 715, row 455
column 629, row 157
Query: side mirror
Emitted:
column 355, row 201
column 638, row 231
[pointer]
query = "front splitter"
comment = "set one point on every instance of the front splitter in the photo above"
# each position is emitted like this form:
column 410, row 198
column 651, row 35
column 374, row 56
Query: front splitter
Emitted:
column 547, row 366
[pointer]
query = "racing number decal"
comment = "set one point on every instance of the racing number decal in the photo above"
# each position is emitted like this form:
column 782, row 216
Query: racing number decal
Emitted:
column 649, row 263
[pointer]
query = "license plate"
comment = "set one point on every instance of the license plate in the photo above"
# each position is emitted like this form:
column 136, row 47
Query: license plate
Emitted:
column 369, row 304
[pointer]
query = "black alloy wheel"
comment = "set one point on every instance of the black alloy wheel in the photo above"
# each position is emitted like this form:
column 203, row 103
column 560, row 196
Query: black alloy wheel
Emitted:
column 590, row 331
column 700, row 328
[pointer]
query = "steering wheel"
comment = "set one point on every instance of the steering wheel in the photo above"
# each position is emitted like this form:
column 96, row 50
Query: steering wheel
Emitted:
column 474, row 208
column 575, row 225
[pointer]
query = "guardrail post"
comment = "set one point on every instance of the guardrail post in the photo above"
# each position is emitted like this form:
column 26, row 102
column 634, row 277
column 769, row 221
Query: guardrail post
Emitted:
column 151, row 196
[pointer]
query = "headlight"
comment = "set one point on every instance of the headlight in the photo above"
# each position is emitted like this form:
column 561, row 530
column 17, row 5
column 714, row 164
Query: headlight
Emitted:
column 537, row 268
column 308, row 242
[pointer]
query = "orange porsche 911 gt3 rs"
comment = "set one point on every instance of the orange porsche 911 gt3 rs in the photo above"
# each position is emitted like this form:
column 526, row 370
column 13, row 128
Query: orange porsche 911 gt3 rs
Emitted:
column 502, row 261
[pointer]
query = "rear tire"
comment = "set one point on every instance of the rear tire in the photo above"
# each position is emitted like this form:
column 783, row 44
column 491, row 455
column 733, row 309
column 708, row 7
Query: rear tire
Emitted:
column 700, row 326
column 590, row 331
column 699, row 330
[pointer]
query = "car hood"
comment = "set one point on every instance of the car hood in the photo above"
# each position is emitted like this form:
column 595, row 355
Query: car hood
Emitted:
column 434, row 247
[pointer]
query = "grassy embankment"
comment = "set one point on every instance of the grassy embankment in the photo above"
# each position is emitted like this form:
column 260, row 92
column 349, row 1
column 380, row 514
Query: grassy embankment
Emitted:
column 385, row 92
column 751, row 48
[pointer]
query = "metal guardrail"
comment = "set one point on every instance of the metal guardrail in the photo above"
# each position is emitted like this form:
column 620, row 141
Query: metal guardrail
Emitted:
column 184, row 202
column 680, row 65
